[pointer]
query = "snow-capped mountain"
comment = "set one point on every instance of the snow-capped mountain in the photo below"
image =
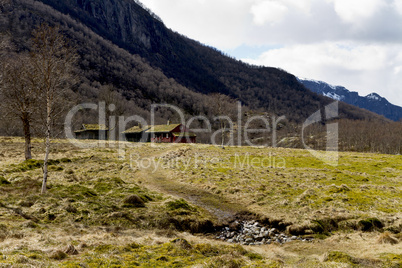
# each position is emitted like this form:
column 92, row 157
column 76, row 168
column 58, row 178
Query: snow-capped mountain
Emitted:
column 372, row 102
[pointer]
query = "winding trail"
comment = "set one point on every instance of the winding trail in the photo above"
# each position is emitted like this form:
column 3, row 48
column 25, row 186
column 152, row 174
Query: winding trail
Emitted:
column 163, row 180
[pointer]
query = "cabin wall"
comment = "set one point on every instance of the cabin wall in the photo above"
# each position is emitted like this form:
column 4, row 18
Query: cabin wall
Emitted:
column 137, row 137
column 90, row 135
column 162, row 138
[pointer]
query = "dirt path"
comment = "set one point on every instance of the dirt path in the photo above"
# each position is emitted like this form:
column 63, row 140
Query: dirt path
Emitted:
column 162, row 180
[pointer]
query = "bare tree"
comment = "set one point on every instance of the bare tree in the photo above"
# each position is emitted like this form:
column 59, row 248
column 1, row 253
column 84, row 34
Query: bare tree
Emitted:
column 16, row 89
column 53, row 62
column 18, row 95
column 223, row 107
column 113, row 106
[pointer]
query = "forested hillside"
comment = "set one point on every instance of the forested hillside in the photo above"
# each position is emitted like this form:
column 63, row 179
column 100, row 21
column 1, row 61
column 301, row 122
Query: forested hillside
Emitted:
column 103, row 66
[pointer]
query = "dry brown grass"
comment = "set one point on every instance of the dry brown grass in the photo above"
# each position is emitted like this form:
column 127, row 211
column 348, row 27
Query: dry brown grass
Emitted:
column 387, row 238
column 286, row 195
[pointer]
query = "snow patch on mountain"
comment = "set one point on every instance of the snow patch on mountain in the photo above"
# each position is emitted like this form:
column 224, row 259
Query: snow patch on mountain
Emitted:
column 373, row 96
column 333, row 95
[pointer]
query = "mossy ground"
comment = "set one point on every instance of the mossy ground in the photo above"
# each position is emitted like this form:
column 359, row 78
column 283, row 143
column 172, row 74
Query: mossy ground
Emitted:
column 186, row 190
column 293, row 185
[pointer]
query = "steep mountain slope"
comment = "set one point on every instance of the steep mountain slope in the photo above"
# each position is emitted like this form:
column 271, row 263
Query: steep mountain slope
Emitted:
column 199, row 68
column 101, row 66
column 372, row 102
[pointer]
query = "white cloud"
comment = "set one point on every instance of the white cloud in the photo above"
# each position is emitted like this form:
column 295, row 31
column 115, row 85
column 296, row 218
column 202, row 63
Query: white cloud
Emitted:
column 355, row 10
column 219, row 23
column 397, row 70
column 302, row 5
column 316, row 59
column 398, row 6
column 364, row 68
column 268, row 11
column 227, row 24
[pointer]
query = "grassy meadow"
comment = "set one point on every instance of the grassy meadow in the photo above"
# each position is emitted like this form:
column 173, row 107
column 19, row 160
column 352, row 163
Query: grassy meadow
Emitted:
column 162, row 205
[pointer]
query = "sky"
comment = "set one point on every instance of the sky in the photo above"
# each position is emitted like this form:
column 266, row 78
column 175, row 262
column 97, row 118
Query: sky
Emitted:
column 353, row 43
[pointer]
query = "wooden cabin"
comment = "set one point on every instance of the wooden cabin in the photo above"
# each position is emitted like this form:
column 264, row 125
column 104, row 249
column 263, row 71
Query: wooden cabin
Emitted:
column 171, row 133
column 92, row 132
column 137, row 134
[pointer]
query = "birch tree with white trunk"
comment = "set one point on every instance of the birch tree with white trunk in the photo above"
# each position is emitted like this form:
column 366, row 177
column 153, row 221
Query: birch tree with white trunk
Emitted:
column 53, row 63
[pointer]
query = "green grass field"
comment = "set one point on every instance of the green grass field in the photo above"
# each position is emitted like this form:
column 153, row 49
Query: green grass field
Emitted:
column 158, row 206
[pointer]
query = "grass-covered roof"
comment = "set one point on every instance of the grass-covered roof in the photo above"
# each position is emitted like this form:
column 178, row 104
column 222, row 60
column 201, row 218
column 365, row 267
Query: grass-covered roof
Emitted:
column 95, row 127
column 162, row 128
column 136, row 129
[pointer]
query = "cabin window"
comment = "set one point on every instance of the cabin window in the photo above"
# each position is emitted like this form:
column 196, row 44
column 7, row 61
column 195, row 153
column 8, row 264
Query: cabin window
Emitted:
column 167, row 135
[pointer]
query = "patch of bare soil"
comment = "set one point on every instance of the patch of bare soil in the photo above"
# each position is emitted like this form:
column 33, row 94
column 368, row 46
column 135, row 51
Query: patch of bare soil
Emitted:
column 220, row 208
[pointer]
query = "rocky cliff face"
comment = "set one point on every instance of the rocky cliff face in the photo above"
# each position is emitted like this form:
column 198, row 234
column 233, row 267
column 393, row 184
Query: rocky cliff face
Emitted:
column 124, row 21
column 121, row 18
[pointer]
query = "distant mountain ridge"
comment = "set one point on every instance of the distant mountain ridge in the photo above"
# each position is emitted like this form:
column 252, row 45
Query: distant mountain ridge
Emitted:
column 372, row 102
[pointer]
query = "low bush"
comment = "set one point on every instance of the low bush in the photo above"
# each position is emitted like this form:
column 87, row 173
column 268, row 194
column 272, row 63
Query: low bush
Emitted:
column 369, row 225
column 3, row 181
column 133, row 201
